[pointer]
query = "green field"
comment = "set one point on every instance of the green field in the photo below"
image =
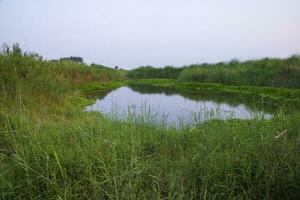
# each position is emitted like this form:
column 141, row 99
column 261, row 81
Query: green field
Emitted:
column 51, row 149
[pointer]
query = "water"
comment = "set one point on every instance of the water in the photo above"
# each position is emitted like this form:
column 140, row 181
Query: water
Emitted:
column 172, row 108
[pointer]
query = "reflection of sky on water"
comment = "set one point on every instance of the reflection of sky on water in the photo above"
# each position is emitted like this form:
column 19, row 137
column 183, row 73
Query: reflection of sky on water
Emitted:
column 176, row 107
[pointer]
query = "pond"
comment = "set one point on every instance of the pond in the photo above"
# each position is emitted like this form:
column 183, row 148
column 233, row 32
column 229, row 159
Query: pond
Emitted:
column 152, row 105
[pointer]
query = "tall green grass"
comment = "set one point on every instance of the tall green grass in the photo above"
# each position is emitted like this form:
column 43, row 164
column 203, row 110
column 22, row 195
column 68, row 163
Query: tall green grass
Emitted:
column 89, row 157
column 151, row 72
column 29, row 76
column 270, row 72
column 51, row 149
column 265, row 72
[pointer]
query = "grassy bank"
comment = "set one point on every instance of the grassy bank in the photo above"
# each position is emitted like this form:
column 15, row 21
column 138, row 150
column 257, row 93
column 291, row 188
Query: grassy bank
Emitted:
column 268, row 72
column 269, row 94
column 86, row 156
column 51, row 149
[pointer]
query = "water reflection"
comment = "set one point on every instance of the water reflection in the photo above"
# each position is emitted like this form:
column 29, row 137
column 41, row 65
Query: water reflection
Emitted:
column 253, row 103
column 150, row 104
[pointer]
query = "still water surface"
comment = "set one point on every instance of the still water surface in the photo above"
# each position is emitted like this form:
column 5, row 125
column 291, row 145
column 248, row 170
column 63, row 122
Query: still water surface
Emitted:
column 172, row 108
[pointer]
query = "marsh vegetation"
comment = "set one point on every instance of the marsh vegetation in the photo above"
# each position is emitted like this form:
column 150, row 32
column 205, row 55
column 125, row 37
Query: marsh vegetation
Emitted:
column 268, row 72
column 50, row 148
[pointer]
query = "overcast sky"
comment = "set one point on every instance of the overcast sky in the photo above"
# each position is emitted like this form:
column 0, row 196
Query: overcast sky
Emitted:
column 132, row 33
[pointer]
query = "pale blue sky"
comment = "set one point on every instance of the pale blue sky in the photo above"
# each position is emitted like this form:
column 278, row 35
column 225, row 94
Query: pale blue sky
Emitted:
column 131, row 33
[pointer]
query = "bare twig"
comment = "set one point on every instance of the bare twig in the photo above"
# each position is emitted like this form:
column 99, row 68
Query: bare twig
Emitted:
column 283, row 133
